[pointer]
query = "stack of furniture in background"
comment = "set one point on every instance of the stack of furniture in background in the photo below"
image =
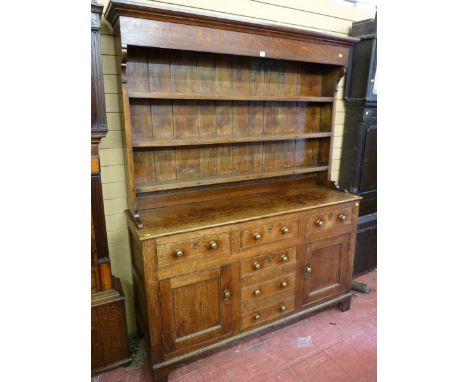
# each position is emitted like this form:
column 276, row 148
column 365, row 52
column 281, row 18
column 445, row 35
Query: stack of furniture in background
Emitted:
column 358, row 167
column 109, row 338
column 234, row 226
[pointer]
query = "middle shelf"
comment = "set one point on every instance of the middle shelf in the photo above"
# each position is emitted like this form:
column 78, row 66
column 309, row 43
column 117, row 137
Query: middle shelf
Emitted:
column 167, row 142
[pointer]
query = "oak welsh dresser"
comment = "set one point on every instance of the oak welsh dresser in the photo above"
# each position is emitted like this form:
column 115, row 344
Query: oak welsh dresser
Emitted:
column 234, row 226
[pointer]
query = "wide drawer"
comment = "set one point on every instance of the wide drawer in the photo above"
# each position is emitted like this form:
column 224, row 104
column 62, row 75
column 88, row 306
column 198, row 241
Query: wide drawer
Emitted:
column 266, row 233
column 258, row 292
column 194, row 248
column 331, row 219
column 268, row 261
column 267, row 313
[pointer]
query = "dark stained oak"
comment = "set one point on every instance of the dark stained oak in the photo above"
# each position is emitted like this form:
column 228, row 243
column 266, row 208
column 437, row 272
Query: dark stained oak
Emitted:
column 109, row 343
column 229, row 139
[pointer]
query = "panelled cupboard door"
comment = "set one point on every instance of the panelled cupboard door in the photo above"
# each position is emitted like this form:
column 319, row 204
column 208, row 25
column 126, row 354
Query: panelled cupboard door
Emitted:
column 196, row 308
column 325, row 268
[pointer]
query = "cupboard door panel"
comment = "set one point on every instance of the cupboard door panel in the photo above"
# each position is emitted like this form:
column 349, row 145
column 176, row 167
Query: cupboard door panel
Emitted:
column 325, row 268
column 194, row 308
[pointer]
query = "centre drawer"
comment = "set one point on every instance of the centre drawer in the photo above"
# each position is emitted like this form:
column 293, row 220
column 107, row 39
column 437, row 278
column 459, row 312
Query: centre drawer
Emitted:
column 266, row 233
column 193, row 248
column 268, row 261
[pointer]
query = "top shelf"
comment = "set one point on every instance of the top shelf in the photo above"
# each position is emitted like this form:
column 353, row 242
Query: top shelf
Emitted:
column 226, row 97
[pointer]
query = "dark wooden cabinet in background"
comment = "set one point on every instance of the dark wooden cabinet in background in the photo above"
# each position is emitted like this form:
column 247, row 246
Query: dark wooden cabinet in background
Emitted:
column 234, row 226
column 358, row 167
column 109, row 340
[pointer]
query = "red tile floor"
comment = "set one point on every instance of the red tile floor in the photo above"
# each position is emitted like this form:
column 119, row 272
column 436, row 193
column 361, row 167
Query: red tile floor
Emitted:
column 331, row 346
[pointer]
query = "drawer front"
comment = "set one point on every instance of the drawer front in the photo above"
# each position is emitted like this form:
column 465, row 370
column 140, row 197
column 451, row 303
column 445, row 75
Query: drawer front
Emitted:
column 340, row 217
column 267, row 275
column 258, row 292
column 267, row 313
column 195, row 248
column 266, row 233
column 268, row 261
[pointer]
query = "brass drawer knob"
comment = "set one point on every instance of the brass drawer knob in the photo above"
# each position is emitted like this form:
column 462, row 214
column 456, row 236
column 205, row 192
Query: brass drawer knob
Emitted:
column 256, row 292
column 257, row 317
column 285, row 230
column 282, row 307
column 319, row 222
column 307, row 269
column 284, row 258
column 213, row 244
column 257, row 236
column 227, row 296
column 256, row 265
column 179, row 252
column 342, row 217
column 284, row 284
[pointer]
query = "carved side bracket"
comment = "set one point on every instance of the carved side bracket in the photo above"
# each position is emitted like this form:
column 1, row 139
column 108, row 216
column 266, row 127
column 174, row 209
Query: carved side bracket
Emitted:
column 341, row 72
column 123, row 63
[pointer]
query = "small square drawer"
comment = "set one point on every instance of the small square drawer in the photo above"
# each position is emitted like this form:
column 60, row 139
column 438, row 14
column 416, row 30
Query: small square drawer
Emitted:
column 261, row 234
column 198, row 247
column 341, row 217
column 268, row 261
column 265, row 314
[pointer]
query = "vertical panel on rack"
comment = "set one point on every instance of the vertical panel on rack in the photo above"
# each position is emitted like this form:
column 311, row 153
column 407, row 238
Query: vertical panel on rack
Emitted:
column 289, row 152
column 310, row 80
column 255, row 118
column 206, row 73
column 273, row 78
column 162, row 119
column 240, row 118
column 159, row 70
column 144, row 169
column 240, row 158
column 185, row 118
column 208, row 165
column 224, row 159
column 137, row 70
column 273, row 117
column 223, row 74
column 187, row 163
column 256, row 77
column 304, row 153
column 326, row 116
column 223, row 118
column 256, row 157
column 207, row 118
column 312, row 118
column 183, row 72
column 142, row 126
column 290, row 78
column 165, row 164
column 241, row 76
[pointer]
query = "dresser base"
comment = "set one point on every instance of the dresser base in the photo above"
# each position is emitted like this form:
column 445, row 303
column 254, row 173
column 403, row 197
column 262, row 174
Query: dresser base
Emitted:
column 161, row 370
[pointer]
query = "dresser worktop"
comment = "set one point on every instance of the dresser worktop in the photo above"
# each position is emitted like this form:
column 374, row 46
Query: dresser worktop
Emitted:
column 171, row 220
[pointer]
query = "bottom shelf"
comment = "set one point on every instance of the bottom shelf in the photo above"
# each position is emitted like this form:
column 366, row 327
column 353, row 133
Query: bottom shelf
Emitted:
column 229, row 179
